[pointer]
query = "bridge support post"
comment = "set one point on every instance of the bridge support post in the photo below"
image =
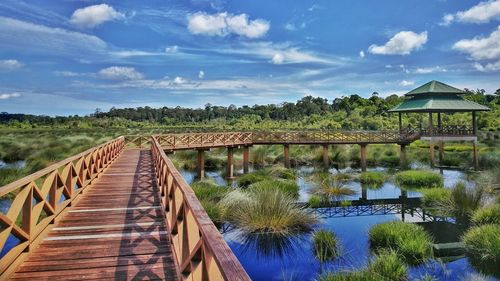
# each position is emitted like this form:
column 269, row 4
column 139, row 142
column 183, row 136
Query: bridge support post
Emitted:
column 230, row 164
column 402, row 155
column 363, row 156
column 431, row 154
column 200, row 164
column 286, row 155
column 475, row 155
column 246, row 154
column 326, row 158
column 364, row 193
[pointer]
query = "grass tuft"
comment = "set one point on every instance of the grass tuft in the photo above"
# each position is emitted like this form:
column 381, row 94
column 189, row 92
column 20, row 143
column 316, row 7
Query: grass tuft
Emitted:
column 419, row 179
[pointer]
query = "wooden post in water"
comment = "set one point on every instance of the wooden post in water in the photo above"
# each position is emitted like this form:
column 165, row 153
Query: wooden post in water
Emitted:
column 326, row 158
column 286, row 155
column 441, row 152
column 363, row 156
column 230, row 165
column 402, row 155
column 200, row 164
column 246, row 154
column 431, row 153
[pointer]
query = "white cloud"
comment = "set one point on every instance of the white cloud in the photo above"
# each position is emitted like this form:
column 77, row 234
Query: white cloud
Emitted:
column 201, row 74
column 8, row 96
column 361, row 54
column 30, row 38
column 66, row 73
column 481, row 48
column 403, row 43
column 481, row 13
column 120, row 73
column 487, row 67
column 427, row 70
column 95, row 15
column 179, row 80
column 223, row 24
column 405, row 83
column 10, row 64
column 278, row 59
column 172, row 49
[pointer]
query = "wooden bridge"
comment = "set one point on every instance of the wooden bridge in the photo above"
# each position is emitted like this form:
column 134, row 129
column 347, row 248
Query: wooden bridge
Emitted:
column 115, row 212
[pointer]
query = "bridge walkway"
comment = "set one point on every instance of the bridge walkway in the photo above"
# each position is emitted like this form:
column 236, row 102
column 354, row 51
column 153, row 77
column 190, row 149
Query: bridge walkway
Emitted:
column 116, row 230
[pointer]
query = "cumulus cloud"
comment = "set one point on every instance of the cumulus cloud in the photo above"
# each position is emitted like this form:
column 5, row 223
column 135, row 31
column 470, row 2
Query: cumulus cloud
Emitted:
column 427, row 70
column 405, row 83
column 172, row 49
column 403, row 43
column 201, row 74
column 8, row 96
column 278, row 59
column 10, row 64
column 95, row 15
column 223, row 24
column 179, row 80
column 481, row 13
column 120, row 73
column 361, row 54
column 481, row 48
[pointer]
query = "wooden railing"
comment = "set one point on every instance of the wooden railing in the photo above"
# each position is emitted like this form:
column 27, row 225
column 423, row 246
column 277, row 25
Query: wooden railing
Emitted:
column 137, row 141
column 207, row 140
column 38, row 199
column 200, row 250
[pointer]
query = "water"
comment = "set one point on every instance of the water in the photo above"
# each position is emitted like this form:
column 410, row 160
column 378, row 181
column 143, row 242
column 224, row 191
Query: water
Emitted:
column 16, row 164
column 296, row 260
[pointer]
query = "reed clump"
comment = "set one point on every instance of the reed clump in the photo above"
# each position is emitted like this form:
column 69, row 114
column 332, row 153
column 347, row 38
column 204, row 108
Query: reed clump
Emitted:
column 482, row 244
column 418, row 179
column 487, row 215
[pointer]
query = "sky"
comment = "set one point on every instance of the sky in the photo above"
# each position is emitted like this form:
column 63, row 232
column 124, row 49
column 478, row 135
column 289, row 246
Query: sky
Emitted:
column 70, row 57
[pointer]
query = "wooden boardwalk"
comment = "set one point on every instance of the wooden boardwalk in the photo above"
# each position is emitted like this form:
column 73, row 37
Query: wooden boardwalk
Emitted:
column 116, row 230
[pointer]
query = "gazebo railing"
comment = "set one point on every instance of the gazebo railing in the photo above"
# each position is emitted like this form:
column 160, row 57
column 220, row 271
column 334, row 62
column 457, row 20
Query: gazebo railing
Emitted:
column 449, row 130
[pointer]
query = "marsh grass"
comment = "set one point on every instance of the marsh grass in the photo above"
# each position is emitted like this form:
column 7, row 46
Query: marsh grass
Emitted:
column 330, row 188
column 487, row 215
column 434, row 199
column 266, row 210
column 463, row 201
column 418, row 179
column 326, row 245
column 385, row 266
column 274, row 172
column 483, row 247
column 287, row 186
column 372, row 178
column 210, row 194
column 411, row 241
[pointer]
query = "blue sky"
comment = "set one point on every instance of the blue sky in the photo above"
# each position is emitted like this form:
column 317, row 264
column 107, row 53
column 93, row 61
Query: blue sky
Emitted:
column 71, row 57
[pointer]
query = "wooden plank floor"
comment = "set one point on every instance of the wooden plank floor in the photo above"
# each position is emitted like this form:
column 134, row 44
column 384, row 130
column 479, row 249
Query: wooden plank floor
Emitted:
column 115, row 231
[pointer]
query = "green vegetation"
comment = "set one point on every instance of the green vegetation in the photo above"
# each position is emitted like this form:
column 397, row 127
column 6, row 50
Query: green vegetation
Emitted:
column 287, row 186
column 372, row 179
column 330, row 188
column 409, row 240
column 209, row 194
column 385, row 266
column 266, row 210
column 316, row 201
column 434, row 199
column 274, row 172
column 487, row 215
column 463, row 201
column 483, row 247
column 326, row 246
column 418, row 179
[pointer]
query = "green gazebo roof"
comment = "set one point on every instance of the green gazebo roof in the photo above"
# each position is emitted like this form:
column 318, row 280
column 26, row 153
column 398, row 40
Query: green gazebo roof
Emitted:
column 436, row 96
column 435, row 87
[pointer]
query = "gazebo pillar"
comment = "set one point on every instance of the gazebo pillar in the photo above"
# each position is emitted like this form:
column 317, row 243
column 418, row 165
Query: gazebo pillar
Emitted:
column 400, row 122
column 431, row 143
column 475, row 153
column 441, row 142
column 402, row 155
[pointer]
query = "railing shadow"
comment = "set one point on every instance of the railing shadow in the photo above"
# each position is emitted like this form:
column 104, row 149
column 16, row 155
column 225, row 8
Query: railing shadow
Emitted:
column 137, row 234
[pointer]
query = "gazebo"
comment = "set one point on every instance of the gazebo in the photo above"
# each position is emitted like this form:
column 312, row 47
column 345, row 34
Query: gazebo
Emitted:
column 437, row 97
